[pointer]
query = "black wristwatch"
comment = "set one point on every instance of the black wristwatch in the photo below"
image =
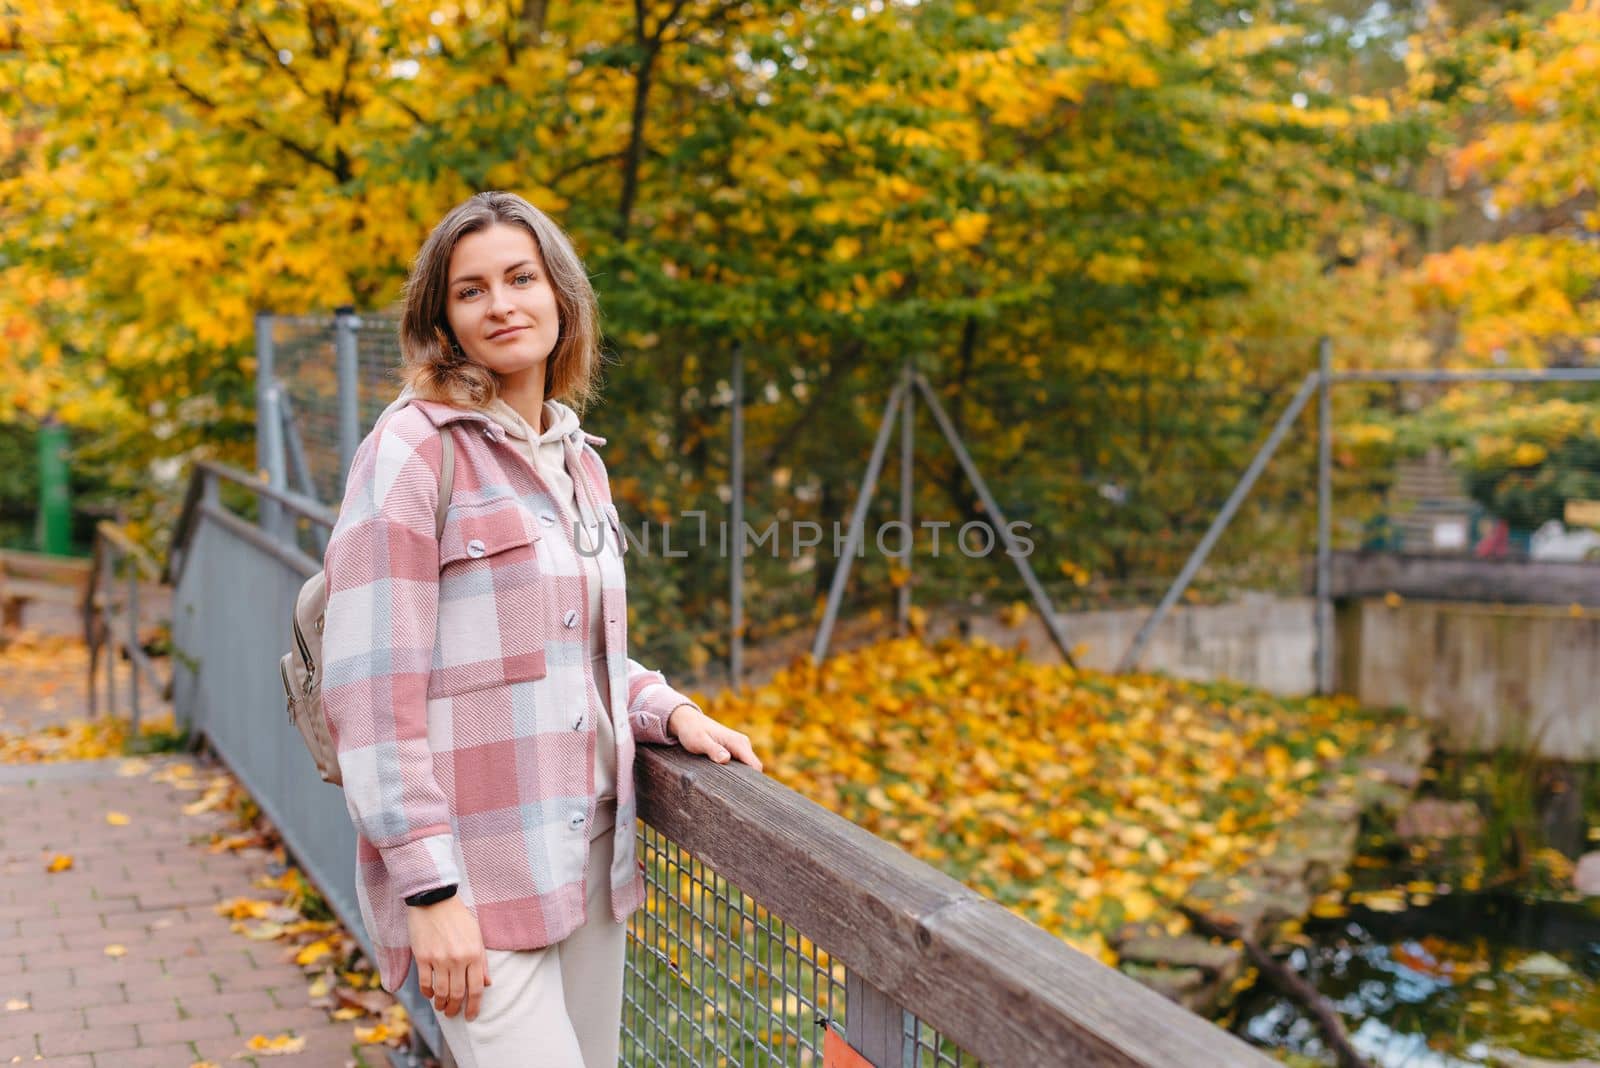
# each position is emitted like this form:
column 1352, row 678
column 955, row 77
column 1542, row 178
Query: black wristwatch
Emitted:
column 432, row 897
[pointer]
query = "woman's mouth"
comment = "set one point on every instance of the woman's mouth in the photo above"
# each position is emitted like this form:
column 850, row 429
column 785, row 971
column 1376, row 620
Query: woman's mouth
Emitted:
column 509, row 331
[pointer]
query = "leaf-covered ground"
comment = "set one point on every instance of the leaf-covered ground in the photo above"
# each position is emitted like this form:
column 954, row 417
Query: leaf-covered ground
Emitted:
column 1084, row 801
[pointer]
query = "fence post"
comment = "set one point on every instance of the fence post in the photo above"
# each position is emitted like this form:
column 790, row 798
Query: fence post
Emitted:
column 275, row 519
column 108, row 576
column 92, row 621
column 876, row 1023
column 1041, row 599
column 858, row 520
column 1325, row 517
column 295, row 448
column 133, row 643
column 345, row 324
column 269, row 436
column 907, row 456
column 736, row 519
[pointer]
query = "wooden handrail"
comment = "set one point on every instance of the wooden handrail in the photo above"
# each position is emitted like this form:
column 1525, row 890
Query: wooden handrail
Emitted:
column 62, row 570
column 131, row 549
column 1004, row 989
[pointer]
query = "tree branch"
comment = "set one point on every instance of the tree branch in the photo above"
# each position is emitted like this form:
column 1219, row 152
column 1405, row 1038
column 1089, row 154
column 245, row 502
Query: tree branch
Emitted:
column 272, row 51
column 843, row 361
column 307, row 154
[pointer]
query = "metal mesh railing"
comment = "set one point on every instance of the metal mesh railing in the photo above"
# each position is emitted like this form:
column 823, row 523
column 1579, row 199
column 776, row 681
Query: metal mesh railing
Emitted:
column 306, row 366
column 715, row 979
column 377, row 366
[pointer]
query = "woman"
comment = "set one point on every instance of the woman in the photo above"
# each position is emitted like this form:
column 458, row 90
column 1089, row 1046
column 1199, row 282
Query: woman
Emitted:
column 472, row 661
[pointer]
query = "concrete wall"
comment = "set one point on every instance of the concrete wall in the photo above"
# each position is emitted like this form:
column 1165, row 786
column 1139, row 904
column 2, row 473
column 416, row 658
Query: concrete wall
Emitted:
column 1260, row 639
column 1490, row 676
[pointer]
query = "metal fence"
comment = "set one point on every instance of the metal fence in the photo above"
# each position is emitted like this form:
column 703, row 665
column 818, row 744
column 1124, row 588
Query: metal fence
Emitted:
column 322, row 381
column 714, row 978
column 1216, row 499
column 1375, row 505
column 774, row 932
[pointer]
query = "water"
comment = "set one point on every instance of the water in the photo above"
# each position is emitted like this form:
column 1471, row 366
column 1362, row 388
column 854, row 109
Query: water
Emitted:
column 1433, row 977
column 1440, row 985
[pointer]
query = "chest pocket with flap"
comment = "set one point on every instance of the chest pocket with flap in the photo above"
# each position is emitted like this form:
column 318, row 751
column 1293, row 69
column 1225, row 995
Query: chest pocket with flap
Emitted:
column 492, row 597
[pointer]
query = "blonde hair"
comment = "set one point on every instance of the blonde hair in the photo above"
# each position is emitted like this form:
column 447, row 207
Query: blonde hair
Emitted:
column 431, row 363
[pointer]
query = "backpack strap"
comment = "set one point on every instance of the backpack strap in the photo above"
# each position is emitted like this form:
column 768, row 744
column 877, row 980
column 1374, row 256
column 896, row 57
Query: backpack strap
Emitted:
column 447, row 480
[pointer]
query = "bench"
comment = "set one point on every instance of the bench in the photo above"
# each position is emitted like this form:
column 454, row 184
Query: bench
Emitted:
column 29, row 577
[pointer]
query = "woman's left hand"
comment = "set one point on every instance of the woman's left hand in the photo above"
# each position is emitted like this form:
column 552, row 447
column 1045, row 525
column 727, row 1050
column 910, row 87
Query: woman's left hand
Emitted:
column 699, row 733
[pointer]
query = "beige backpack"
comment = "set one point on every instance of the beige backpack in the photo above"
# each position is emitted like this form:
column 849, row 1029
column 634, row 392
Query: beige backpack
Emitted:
column 301, row 666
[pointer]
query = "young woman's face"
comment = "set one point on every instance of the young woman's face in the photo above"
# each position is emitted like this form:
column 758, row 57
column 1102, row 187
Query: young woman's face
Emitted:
column 501, row 305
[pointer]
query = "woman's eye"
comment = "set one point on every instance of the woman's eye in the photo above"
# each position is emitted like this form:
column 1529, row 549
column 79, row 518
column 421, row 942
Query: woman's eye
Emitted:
column 524, row 277
column 467, row 292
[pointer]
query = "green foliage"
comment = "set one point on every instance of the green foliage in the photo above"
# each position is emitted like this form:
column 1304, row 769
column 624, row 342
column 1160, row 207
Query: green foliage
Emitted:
column 1522, row 458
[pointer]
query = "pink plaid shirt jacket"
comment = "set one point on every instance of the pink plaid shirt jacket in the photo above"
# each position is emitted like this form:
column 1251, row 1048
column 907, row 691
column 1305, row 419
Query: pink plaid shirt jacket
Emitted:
column 457, row 689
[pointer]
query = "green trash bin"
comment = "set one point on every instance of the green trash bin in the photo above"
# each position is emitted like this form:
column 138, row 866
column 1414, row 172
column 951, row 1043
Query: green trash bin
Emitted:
column 55, row 498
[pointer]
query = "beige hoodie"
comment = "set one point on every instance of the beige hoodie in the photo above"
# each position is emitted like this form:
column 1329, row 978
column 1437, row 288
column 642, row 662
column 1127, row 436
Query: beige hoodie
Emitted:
column 546, row 453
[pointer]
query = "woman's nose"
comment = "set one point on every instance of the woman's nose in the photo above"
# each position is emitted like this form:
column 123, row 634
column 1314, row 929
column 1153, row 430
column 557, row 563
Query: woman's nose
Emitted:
column 500, row 303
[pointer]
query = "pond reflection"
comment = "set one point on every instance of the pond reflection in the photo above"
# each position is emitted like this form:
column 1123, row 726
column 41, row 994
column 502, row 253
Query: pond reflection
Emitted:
column 1447, row 984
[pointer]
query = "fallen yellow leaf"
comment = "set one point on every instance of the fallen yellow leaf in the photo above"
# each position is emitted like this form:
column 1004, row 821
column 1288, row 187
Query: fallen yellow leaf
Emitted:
column 280, row 1046
column 15, row 1004
column 372, row 1036
column 117, row 819
column 243, row 908
column 60, row 862
column 313, row 952
column 116, row 950
column 1138, row 906
column 264, row 931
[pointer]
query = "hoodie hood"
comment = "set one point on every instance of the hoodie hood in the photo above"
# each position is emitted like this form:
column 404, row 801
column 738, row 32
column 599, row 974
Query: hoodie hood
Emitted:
column 562, row 420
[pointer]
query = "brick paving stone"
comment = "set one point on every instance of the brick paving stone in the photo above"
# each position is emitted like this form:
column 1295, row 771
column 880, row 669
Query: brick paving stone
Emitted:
column 166, row 1055
column 207, row 1026
column 180, row 988
column 185, row 979
column 33, row 1019
column 101, row 1040
column 244, row 1002
column 71, row 995
column 134, row 1012
column 273, row 1021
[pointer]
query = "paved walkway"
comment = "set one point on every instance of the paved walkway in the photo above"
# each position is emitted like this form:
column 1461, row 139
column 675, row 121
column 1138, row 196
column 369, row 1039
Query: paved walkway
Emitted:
column 183, row 987
column 187, row 988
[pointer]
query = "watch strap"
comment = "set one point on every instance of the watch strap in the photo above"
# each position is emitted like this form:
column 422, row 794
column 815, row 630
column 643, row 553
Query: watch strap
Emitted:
column 432, row 897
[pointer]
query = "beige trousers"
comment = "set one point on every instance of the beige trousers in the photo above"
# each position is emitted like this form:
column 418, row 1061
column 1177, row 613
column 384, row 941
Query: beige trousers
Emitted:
column 557, row 1007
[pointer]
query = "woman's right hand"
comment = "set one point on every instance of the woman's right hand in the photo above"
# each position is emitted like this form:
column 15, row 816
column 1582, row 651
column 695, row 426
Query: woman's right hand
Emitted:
column 452, row 967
